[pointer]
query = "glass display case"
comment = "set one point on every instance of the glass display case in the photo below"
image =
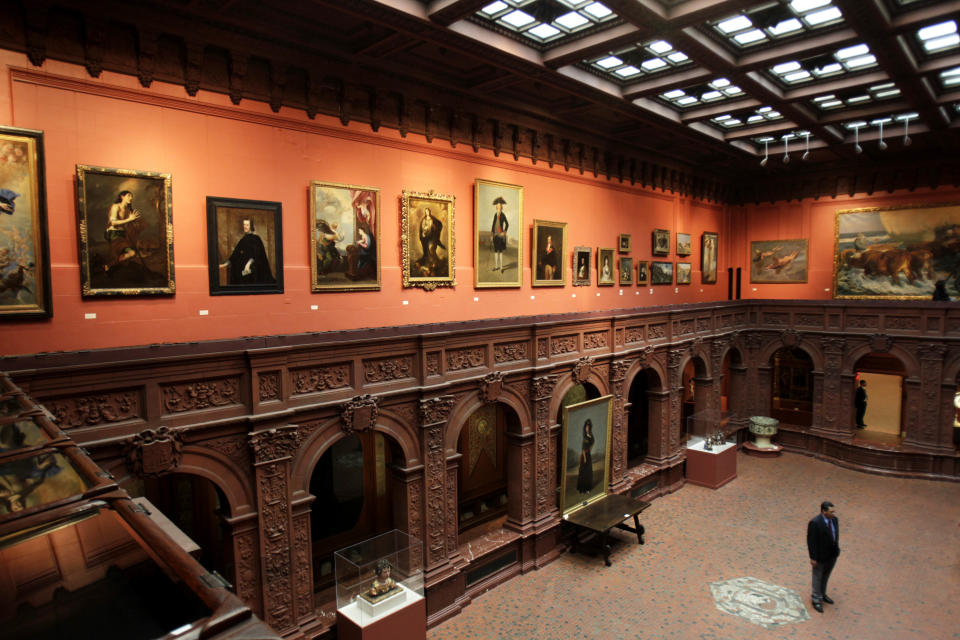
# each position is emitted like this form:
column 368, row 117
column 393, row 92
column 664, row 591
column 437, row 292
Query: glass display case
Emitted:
column 710, row 431
column 379, row 577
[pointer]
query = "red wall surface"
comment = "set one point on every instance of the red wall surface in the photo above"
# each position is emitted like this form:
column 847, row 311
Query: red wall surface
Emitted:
column 213, row 148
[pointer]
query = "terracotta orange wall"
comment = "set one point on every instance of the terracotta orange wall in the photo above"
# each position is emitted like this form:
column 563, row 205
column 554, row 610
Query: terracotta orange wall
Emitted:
column 249, row 152
column 814, row 220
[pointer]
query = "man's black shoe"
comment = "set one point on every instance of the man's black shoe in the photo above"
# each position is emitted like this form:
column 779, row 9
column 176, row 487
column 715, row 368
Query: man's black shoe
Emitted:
column 828, row 599
column 818, row 607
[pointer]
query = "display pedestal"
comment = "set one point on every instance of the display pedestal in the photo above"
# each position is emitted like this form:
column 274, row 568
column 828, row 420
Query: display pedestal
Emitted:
column 762, row 452
column 711, row 469
column 405, row 622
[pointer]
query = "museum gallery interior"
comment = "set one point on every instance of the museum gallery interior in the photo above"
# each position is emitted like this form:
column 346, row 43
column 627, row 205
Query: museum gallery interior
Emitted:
column 325, row 316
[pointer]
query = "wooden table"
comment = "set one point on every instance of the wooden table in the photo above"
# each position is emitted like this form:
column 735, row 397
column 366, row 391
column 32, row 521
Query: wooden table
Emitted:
column 598, row 518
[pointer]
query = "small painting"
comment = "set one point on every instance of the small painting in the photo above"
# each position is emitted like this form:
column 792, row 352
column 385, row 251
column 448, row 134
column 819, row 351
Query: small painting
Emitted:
column 497, row 235
column 683, row 244
column 605, row 262
column 581, row 266
column 661, row 272
column 778, row 261
column 549, row 247
column 245, row 246
column 126, row 232
column 586, row 447
column 344, row 228
column 24, row 252
column 709, row 242
column 897, row 253
column 624, row 243
column 643, row 274
column 427, row 235
column 626, row 272
column 661, row 242
column 684, row 273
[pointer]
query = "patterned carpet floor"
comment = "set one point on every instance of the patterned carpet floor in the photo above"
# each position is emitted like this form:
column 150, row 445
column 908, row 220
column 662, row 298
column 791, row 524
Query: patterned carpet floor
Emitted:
column 897, row 578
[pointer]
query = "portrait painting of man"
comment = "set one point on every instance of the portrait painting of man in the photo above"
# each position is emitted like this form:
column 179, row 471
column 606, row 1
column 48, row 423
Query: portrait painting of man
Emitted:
column 245, row 246
column 549, row 247
column 498, row 237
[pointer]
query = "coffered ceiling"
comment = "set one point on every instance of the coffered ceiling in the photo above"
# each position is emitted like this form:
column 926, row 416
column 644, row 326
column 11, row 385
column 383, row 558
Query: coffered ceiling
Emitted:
column 839, row 96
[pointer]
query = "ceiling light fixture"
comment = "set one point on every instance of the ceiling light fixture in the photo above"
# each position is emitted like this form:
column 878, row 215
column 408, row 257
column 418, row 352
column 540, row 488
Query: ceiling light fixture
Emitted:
column 856, row 139
column 806, row 152
column 906, row 128
column 766, row 155
column 786, row 149
column 881, row 145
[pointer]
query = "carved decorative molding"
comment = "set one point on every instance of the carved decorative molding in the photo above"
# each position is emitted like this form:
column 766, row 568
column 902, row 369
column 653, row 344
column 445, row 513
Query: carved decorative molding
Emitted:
column 790, row 337
column 881, row 342
column 633, row 334
column 435, row 410
column 359, row 414
column 274, row 444
column 312, row 380
column 863, row 322
column 595, row 340
column 466, row 358
column 433, row 363
column 655, row 331
column 543, row 386
column 582, row 369
column 543, row 346
column 833, row 345
column 491, row 386
column 101, row 408
column 932, row 351
column 192, row 396
column 683, row 327
column 234, row 448
column 152, row 453
column 509, row 352
column 618, row 370
column 387, row 369
column 643, row 355
column 269, row 384
column 563, row 344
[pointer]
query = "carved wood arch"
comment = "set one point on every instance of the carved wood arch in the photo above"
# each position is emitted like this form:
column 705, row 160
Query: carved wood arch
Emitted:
column 467, row 403
column 909, row 361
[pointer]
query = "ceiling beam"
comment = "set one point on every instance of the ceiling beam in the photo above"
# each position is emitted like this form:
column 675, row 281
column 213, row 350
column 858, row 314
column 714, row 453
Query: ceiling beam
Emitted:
column 595, row 44
column 446, row 12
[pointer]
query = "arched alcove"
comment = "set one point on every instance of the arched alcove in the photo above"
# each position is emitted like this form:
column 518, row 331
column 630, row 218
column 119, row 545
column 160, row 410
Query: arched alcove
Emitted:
column 353, row 496
column 884, row 374
column 638, row 415
column 791, row 386
column 484, row 484
column 732, row 380
column 694, row 397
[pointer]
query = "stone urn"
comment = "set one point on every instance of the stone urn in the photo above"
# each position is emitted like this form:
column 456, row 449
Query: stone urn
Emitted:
column 763, row 428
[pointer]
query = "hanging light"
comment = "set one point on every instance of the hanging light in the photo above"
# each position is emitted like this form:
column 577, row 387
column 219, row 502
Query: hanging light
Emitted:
column 806, row 152
column 786, row 148
column 906, row 128
column 881, row 145
column 856, row 139
column 766, row 155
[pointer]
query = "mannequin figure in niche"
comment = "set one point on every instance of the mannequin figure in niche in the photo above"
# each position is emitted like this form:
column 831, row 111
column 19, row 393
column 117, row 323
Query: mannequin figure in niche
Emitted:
column 585, row 473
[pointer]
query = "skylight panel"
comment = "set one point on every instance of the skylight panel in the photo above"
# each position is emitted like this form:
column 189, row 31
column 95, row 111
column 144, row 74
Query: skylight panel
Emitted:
column 801, row 6
column 598, row 10
column 787, row 26
column 518, row 19
column 748, row 37
column 687, row 101
column 850, row 52
column 653, row 64
column 862, row 61
column 734, row 24
column 494, row 8
column 786, row 67
column 950, row 77
column 733, row 90
column 676, row 93
column 889, row 93
column 822, row 17
column 720, row 83
column 677, row 57
column 755, row 118
column 609, row 62
column 797, row 76
column 939, row 44
column 711, row 95
column 858, row 99
column 831, row 104
column 543, row 31
column 834, row 67
column 937, row 30
column 660, row 46
column 627, row 71
column 572, row 20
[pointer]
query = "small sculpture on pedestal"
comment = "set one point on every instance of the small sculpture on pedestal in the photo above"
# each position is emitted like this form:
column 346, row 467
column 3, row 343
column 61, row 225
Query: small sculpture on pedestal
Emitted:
column 383, row 585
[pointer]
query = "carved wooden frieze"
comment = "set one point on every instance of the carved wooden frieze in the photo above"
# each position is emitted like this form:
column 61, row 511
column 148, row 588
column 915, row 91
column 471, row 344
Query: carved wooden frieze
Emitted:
column 543, row 386
column 325, row 378
column 269, row 386
column 633, row 334
column 618, row 370
column 683, row 327
column 656, row 331
column 509, row 352
column 92, row 410
column 193, row 396
column 152, row 453
column 451, row 517
column 776, row 318
column 387, row 369
column 563, row 344
column 435, row 471
column 595, row 340
column 433, row 363
column 466, row 358
column 703, row 324
column 272, row 489
column 582, row 369
column 863, row 322
column 902, row 323
column 618, row 337
column 359, row 414
column 302, row 557
column 808, row 319
column 491, row 386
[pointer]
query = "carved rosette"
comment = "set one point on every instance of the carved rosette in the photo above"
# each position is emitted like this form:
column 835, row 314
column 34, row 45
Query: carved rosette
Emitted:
column 491, row 386
column 152, row 453
column 90, row 411
column 582, row 369
column 881, row 342
column 269, row 386
column 359, row 414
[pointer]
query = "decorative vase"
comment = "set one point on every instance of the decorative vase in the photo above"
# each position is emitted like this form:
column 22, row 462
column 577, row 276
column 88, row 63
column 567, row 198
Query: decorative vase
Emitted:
column 763, row 428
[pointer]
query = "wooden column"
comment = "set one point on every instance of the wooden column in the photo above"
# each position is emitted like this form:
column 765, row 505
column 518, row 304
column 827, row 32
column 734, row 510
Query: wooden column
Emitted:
column 935, row 415
column 835, row 410
column 618, row 437
column 545, row 473
column 433, row 418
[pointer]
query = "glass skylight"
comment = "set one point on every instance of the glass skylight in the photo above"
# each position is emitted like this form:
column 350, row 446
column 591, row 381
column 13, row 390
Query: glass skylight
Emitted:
column 639, row 60
column 940, row 37
column 747, row 118
column 950, row 78
column 545, row 23
column 716, row 91
column 845, row 60
column 774, row 21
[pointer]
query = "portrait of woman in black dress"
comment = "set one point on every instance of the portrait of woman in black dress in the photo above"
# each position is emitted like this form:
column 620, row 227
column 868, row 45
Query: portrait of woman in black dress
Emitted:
column 585, row 475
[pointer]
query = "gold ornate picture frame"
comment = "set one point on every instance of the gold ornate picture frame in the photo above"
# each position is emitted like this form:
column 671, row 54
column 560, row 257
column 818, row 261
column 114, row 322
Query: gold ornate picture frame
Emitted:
column 497, row 234
column 427, row 240
column 125, row 232
column 344, row 229
column 586, row 452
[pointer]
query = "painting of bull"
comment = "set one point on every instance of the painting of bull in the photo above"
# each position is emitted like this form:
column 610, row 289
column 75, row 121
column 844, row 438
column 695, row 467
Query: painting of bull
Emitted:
column 897, row 253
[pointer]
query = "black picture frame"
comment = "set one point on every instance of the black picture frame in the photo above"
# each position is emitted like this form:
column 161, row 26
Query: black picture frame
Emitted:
column 239, row 264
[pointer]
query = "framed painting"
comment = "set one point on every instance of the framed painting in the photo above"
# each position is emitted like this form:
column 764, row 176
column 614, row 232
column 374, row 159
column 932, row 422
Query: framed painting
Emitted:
column 661, row 242
column 683, row 244
column 684, row 273
column 626, row 272
column 344, row 230
column 245, row 246
column 497, row 234
column 24, row 243
column 586, row 447
column 126, row 232
column 778, row 261
column 709, row 242
column 896, row 253
column 549, row 247
column 605, row 262
column 427, row 240
column 661, row 272
column 643, row 272
column 624, row 243
column 581, row 266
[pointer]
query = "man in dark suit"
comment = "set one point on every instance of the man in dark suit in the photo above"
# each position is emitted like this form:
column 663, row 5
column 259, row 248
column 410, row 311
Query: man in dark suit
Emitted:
column 861, row 403
column 823, row 543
